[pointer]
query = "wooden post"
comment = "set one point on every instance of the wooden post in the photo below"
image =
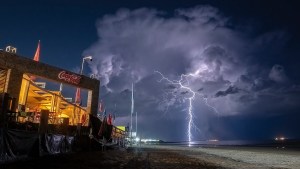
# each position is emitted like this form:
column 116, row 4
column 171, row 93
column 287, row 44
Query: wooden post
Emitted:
column 44, row 121
column 3, row 109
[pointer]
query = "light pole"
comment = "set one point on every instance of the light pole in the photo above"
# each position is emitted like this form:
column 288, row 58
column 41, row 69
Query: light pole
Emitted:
column 83, row 59
column 132, row 110
column 77, row 96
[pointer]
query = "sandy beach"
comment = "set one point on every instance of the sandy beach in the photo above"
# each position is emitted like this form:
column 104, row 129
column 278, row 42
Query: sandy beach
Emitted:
column 131, row 158
column 240, row 157
column 161, row 157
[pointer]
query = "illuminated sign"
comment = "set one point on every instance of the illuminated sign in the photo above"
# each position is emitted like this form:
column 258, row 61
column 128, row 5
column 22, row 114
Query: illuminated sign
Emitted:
column 121, row 128
column 69, row 77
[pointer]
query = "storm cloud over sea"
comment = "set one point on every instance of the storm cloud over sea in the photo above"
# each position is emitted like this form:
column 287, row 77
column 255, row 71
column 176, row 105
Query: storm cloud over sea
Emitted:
column 244, row 86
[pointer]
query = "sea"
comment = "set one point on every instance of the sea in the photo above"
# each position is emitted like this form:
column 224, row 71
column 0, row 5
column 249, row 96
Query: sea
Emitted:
column 292, row 144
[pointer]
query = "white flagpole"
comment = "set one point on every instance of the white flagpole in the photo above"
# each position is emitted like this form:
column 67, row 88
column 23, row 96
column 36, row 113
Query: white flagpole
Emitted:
column 136, row 124
column 132, row 110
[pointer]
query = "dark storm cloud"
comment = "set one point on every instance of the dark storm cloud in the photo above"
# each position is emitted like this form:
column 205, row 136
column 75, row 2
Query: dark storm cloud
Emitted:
column 170, row 87
column 277, row 74
column 197, row 41
column 230, row 90
column 185, row 92
column 199, row 90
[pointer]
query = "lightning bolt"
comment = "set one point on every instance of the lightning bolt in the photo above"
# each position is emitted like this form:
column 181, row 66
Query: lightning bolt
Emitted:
column 183, row 83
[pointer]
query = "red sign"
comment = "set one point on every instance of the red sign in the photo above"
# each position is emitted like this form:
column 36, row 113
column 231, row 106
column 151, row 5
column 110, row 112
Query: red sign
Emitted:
column 68, row 77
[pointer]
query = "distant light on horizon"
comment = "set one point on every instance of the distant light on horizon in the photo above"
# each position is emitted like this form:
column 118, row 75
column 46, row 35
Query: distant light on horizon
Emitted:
column 280, row 138
column 149, row 140
column 137, row 139
column 213, row 140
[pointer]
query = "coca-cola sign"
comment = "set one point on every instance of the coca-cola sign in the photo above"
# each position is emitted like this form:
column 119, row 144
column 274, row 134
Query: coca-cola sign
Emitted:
column 69, row 77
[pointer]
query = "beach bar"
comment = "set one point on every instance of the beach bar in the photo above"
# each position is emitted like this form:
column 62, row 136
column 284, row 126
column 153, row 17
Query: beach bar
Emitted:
column 15, row 74
column 35, row 121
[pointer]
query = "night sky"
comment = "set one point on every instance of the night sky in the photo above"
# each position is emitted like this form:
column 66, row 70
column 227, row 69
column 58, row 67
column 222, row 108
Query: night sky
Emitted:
column 242, row 59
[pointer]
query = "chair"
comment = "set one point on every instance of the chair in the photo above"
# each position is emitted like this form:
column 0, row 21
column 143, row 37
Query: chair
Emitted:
column 22, row 117
column 52, row 117
column 30, row 116
column 11, row 116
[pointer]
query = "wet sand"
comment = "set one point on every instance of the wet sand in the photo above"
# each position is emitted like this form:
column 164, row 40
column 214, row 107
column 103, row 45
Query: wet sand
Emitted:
column 241, row 157
column 132, row 158
column 162, row 157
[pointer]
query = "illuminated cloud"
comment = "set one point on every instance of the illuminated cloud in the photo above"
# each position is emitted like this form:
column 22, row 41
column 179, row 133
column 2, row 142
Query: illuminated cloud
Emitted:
column 134, row 44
